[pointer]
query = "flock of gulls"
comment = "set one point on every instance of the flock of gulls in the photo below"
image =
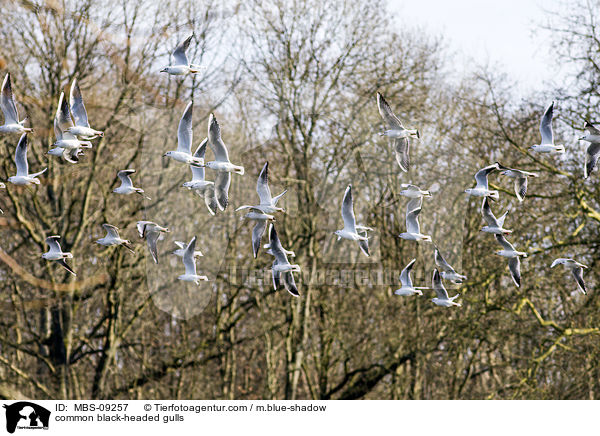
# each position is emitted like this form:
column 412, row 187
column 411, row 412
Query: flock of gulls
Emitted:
column 74, row 135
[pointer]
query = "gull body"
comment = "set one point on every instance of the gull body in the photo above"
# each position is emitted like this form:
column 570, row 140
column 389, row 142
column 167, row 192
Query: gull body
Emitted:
column 350, row 228
column 514, row 263
column 199, row 184
column 189, row 261
column 494, row 225
column 442, row 298
column 520, row 177
column 267, row 246
column 412, row 191
column 64, row 139
column 593, row 151
column 576, row 269
column 181, row 65
column 547, row 144
column 9, row 109
column 55, row 253
column 112, row 238
column 407, row 287
column 185, row 136
column 481, row 189
column 151, row 231
column 397, row 133
column 23, row 177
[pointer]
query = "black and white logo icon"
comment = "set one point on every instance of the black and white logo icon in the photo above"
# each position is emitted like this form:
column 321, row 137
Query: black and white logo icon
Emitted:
column 26, row 415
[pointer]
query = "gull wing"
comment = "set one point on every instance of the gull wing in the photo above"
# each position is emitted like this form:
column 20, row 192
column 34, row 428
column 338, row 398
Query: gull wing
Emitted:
column 7, row 102
column 21, row 156
column 257, row 233
column 189, row 261
column 488, row 216
column 591, row 157
column 276, row 276
column 63, row 263
column 578, row 274
column 364, row 246
column 546, row 126
column 521, row 187
column 211, row 200
column 53, row 244
column 412, row 221
column 221, row 187
column 348, row 211
column 198, row 172
column 482, row 175
column 276, row 247
column 591, row 128
column 405, row 279
column 215, row 141
column 125, row 179
column 401, row 147
column 442, row 263
column 559, row 261
column 77, row 106
column 514, row 265
column 111, row 230
column 152, row 238
column 262, row 186
column 290, row 283
column 438, row 286
column 64, row 115
column 504, row 242
column 184, row 131
column 387, row 114
column 179, row 55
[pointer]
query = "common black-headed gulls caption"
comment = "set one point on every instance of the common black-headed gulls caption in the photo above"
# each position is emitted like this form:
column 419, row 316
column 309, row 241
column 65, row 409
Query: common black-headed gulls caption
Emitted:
column 282, row 270
column 547, row 143
column 56, row 254
column 199, row 184
column 23, row 177
column 9, row 109
column 442, row 298
column 350, row 230
column 180, row 64
column 576, row 269
column 593, row 150
column 151, row 231
column 397, row 133
column 112, row 238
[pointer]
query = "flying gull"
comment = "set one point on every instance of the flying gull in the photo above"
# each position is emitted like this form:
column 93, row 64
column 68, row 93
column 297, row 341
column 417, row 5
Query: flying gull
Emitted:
column 413, row 229
column 82, row 126
column 267, row 246
column 547, row 144
column 481, row 189
column 448, row 273
column 181, row 250
column 520, row 177
column 576, row 269
column 442, row 298
column 189, row 261
column 267, row 204
column 407, row 287
column 181, row 65
column 593, row 150
column 413, row 191
column 185, row 136
column 350, row 228
column 494, row 225
column 23, row 177
column 397, row 133
column 199, row 184
column 9, row 109
column 69, row 154
column 282, row 270
column 55, row 253
column 514, row 264
column 221, row 164
column 112, row 238
column 127, row 187
column 62, row 124
column 151, row 231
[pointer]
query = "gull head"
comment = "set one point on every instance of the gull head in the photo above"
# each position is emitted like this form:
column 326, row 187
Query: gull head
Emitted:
column 164, row 70
column 168, row 153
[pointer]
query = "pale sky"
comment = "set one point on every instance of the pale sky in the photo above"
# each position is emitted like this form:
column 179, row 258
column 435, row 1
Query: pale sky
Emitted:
column 486, row 32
